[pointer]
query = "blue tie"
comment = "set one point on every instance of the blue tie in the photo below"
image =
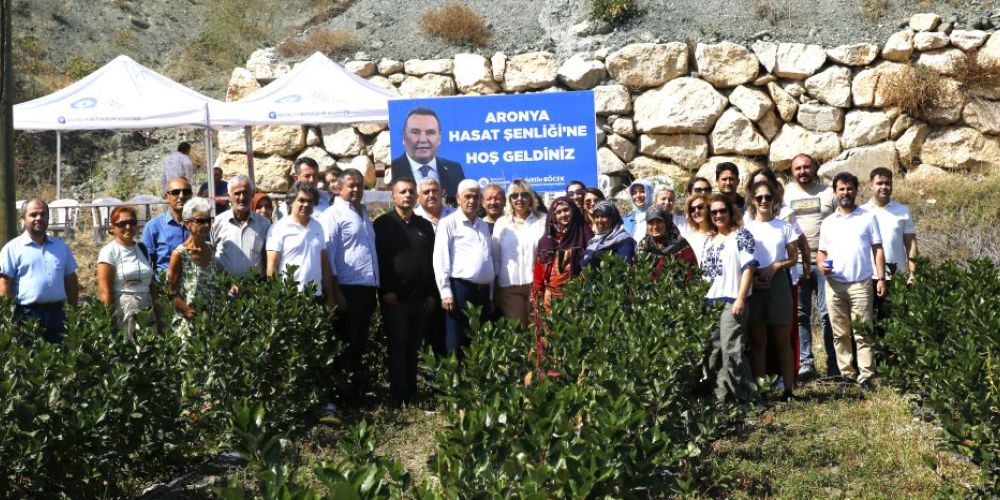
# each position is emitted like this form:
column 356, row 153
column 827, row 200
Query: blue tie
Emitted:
column 424, row 169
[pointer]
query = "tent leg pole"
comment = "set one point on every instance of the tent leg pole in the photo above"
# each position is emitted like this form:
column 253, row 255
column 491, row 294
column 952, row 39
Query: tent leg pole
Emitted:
column 208, row 168
column 58, row 165
column 8, row 179
column 248, row 136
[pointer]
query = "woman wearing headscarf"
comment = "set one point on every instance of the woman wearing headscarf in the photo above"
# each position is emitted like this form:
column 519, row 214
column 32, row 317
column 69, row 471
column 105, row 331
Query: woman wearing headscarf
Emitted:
column 641, row 194
column 663, row 241
column 560, row 249
column 263, row 205
column 610, row 236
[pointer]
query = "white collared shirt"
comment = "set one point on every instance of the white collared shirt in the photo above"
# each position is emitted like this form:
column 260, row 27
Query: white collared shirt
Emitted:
column 431, row 174
column 847, row 240
column 514, row 245
column 894, row 221
column 462, row 249
column 299, row 246
column 445, row 211
column 350, row 244
column 239, row 248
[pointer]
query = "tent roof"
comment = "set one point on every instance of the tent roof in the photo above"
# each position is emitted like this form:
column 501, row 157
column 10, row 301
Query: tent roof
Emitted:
column 122, row 94
column 316, row 91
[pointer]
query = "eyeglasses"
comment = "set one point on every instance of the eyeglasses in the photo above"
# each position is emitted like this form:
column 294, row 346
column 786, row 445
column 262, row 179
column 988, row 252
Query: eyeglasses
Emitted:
column 696, row 208
column 201, row 221
column 719, row 211
column 178, row 192
column 576, row 192
column 704, row 190
column 520, row 196
column 126, row 222
column 764, row 198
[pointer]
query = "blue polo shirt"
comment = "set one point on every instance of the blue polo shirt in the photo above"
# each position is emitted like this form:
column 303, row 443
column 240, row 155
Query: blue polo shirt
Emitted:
column 38, row 271
column 161, row 236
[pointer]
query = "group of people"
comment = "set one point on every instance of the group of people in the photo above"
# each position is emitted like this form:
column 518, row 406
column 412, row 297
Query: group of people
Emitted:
column 422, row 262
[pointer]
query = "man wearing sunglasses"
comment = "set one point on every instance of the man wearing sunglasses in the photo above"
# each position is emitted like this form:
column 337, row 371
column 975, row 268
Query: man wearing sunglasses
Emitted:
column 39, row 271
column 576, row 190
column 166, row 232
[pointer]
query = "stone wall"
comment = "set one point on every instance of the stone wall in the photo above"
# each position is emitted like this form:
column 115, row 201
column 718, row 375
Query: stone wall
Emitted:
column 673, row 110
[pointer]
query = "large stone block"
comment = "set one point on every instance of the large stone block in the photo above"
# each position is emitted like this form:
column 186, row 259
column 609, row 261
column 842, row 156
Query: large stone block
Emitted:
column 381, row 148
column 945, row 61
column 271, row 173
column 609, row 163
column 612, row 100
column 872, row 86
column 743, row 164
column 429, row 85
column 531, row 71
column 924, row 21
column 265, row 65
column 860, row 161
column 322, row 157
column 726, row 64
column 831, row 86
column 961, row 148
column 267, row 140
column 735, row 134
column 982, row 115
column 622, row 147
column 682, row 105
column 767, row 54
column 795, row 139
column 899, row 46
column 968, row 39
column 930, row 40
column 786, row 105
column 420, row 67
column 342, row 140
column 752, row 102
column 363, row 69
column 821, row 118
column 644, row 65
column 643, row 167
column 909, row 145
column 580, row 73
column 858, row 54
column 241, row 84
column 688, row 150
column 473, row 74
column 863, row 128
column 798, row 61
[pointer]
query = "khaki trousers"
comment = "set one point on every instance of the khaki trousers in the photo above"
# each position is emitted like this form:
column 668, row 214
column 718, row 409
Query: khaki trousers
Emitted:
column 515, row 302
column 848, row 303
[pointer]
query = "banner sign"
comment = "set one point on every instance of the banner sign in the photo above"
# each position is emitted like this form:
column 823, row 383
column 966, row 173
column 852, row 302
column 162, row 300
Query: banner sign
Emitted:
column 548, row 139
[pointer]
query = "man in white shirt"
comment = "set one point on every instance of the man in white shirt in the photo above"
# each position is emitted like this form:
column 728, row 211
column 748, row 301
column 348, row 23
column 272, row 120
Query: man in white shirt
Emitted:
column 430, row 201
column 463, row 264
column 178, row 164
column 350, row 246
column 811, row 202
column 239, row 233
column 848, row 240
column 666, row 197
column 305, row 169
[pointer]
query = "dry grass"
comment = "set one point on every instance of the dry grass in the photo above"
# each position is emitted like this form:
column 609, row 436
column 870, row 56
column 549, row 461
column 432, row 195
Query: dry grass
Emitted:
column 333, row 43
column 873, row 10
column 917, row 91
column 978, row 78
column 456, row 23
column 771, row 11
column 612, row 11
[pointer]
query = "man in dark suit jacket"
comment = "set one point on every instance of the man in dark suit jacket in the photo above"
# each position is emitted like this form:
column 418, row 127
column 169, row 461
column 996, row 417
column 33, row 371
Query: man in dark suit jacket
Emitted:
column 422, row 137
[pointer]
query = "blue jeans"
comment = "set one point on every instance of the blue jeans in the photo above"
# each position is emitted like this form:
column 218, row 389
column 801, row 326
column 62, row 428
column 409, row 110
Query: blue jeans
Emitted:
column 51, row 319
column 815, row 282
column 455, row 321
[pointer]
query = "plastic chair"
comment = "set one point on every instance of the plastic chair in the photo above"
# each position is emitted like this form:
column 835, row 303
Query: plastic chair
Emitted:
column 148, row 206
column 64, row 214
column 100, row 212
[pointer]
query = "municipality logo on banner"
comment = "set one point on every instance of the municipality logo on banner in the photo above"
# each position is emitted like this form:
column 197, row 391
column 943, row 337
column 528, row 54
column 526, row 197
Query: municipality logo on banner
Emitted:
column 545, row 139
column 85, row 103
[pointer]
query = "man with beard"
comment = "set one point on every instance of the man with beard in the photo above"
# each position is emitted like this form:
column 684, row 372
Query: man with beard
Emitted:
column 727, row 179
column 811, row 201
column 239, row 233
column 39, row 271
column 848, row 239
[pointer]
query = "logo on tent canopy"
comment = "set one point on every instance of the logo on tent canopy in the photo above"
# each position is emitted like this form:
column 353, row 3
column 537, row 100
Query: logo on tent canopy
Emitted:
column 288, row 99
column 85, row 103
column 272, row 115
column 61, row 119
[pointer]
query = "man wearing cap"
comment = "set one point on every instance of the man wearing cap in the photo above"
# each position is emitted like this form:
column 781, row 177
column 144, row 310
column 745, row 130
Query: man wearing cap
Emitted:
column 39, row 271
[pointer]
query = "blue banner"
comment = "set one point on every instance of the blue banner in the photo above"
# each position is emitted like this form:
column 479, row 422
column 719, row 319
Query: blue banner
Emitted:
column 549, row 139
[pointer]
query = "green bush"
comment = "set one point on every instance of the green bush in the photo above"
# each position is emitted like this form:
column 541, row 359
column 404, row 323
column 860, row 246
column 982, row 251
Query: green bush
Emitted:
column 612, row 11
column 610, row 412
column 940, row 341
column 94, row 414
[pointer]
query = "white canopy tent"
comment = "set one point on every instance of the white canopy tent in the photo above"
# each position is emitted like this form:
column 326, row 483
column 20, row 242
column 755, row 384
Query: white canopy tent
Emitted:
column 121, row 95
column 315, row 92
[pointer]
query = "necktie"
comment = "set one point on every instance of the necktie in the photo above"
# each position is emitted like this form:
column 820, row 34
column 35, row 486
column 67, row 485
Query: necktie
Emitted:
column 424, row 169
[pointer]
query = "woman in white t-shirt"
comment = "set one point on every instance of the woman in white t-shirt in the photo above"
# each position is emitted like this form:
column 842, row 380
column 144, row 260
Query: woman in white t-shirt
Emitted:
column 727, row 262
column 695, row 209
column 124, row 272
column 771, row 303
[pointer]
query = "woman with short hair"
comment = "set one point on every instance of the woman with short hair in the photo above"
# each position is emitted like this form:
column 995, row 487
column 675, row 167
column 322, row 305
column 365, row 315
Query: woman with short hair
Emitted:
column 515, row 239
column 125, row 272
column 192, row 277
column 695, row 209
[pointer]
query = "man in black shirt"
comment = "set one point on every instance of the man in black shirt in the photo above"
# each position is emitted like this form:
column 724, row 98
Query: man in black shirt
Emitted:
column 404, row 243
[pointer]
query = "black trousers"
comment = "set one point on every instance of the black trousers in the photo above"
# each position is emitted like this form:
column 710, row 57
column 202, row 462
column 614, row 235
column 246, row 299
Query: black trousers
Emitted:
column 51, row 318
column 352, row 330
column 404, row 325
